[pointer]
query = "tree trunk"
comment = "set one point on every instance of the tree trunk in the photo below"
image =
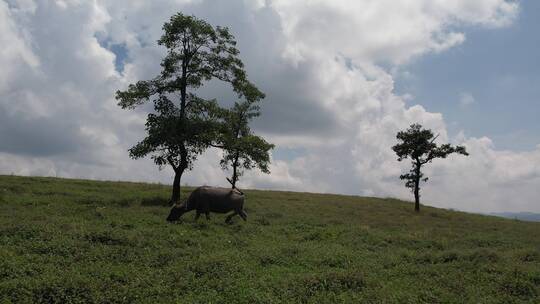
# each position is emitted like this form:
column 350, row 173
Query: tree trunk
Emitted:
column 417, row 188
column 175, row 198
column 235, row 174
column 416, row 197
column 233, row 184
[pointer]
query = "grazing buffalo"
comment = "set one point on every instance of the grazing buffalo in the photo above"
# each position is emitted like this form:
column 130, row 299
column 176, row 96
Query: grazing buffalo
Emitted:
column 211, row 199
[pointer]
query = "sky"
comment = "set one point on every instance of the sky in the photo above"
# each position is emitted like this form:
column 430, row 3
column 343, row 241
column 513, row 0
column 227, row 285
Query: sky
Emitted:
column 502, row 87
column 341, row 79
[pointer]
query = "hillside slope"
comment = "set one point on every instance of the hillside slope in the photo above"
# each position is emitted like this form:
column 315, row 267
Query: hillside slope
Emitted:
column 84, row 241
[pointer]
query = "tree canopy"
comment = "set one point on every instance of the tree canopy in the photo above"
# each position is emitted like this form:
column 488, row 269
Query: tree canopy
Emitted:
column 243, row 150
column 184, row 125
column 419, row 145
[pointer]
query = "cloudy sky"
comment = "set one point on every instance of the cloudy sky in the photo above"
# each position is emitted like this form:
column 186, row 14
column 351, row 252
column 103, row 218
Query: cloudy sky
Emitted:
column 341, row 78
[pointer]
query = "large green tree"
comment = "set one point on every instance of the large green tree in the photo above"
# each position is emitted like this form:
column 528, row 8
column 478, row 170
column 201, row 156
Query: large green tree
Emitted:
column 183, row 125
column 243, row 150
column 419, row 145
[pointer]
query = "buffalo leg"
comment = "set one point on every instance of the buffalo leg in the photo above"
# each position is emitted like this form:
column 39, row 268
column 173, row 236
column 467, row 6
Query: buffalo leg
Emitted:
column 229, row 218
column 197, row 215
column 207, row 215
column 243, row 214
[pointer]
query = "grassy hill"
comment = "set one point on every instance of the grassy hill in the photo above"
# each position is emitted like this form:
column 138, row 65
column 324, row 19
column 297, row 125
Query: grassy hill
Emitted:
column 79, row 241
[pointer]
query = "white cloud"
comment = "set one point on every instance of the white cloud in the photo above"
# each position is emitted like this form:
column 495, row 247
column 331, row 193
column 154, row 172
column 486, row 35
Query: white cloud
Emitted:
column 466, row 99
column 319, row 64
column 15, row 48
column 383, row 30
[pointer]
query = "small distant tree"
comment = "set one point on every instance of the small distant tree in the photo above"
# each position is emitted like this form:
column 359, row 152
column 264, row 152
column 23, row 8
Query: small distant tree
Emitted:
column 242, row 149
column 418, row 144
column 183, row 125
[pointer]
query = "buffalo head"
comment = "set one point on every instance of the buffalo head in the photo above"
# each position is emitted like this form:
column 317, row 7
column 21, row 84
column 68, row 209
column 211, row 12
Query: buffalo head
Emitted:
column 176, row 212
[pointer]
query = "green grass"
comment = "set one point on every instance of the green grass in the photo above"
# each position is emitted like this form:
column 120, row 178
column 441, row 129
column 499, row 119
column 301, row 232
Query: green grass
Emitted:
column 78, row 241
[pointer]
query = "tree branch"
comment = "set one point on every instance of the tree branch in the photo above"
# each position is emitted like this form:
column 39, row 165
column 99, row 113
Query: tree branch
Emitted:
column 171, row 162
column 217, row 146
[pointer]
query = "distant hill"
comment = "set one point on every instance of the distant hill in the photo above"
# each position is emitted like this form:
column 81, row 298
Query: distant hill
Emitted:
column 81, row 241
column 523, row 216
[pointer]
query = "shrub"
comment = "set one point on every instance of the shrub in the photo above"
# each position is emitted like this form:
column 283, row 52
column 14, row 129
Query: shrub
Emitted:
column 518, row 285
column 155, row 201
column 333, row 282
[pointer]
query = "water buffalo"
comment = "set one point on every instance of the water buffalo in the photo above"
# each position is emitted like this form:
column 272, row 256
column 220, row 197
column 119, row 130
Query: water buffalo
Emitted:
column 211, row 199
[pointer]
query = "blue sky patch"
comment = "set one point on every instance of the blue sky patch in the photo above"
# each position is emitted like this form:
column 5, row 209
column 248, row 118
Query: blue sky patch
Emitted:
column 118, row 49
column 498, row 68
